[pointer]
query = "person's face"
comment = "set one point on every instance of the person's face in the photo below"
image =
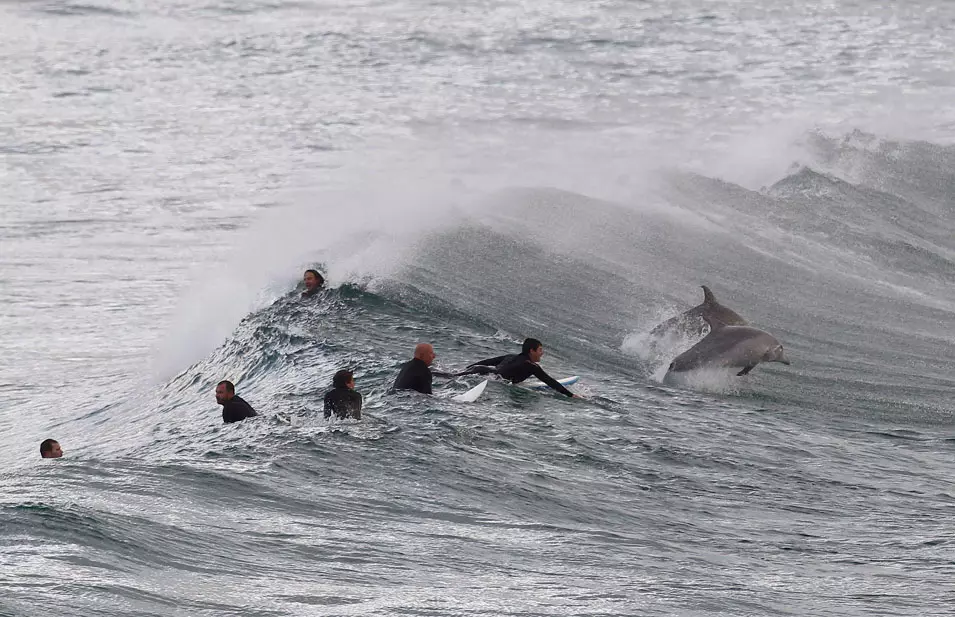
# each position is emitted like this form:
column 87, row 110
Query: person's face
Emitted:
column 222, row 395
column 351, row 384
column 428, row 356
column 311, row 281
column 536, row 354
column 55, row 452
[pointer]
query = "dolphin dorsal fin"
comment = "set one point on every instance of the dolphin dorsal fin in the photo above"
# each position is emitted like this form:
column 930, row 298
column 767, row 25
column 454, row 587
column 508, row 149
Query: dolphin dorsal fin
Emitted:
column 708, row 297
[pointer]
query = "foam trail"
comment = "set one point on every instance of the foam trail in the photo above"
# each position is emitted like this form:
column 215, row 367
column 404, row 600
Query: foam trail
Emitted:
column 711, row 380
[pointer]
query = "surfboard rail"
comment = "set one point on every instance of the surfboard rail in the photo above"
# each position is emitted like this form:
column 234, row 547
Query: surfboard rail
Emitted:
column 536, row 384
column 471, row 395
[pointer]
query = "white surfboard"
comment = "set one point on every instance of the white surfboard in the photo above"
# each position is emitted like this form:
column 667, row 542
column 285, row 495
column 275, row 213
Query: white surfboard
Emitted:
column 471, row 395
column 536, row 384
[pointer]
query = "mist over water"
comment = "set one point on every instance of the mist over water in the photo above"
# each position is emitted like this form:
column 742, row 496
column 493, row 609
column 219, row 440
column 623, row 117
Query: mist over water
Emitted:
column 470, row 176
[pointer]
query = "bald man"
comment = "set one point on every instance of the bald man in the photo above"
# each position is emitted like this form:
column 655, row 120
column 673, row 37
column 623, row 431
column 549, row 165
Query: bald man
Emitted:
column 416, row 374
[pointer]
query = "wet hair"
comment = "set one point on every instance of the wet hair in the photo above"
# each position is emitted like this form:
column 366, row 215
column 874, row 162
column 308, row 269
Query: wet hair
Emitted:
column 341, row 378
column 229, row 386
column 321, row 279
column 530, row 344
column 46, row 446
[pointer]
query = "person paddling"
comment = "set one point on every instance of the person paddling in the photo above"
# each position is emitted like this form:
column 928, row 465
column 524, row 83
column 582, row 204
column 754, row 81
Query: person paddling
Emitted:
column 516, row 368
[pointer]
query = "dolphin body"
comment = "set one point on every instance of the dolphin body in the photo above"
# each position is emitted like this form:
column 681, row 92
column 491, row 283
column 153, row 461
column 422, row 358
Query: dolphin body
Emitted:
column 741, row 347
column 694, row 322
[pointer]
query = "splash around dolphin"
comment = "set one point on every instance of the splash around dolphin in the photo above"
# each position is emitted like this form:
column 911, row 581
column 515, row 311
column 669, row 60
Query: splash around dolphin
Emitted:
column 694, row 322
column 733, row 347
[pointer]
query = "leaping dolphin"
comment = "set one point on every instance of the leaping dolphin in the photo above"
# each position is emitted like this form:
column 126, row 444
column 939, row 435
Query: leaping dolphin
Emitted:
column 725, row 346
column 694, row 322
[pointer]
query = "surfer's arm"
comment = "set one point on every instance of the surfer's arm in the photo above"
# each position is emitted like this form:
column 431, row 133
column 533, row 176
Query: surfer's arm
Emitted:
column 443, row 374
column 488, row 362
column 550, row 381
column 477, row 370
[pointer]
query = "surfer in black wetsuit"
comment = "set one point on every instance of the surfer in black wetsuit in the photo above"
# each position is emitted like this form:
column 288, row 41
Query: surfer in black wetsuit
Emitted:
column 517, row 368
column 313, row 283
column 342, row 400
column 234, row 407
column 416, row 374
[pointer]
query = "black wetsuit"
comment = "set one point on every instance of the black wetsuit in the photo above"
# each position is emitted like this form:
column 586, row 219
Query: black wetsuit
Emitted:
column 236, row 409
column 416, row 375
column 343, row 402
column 517, row 368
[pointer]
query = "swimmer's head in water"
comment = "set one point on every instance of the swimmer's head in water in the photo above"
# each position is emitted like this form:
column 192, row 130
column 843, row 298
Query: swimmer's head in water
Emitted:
column 424, row 352
column 313, row 280
column 533, row 348
column 344, row 379
column 50, row 448
column 225, row 390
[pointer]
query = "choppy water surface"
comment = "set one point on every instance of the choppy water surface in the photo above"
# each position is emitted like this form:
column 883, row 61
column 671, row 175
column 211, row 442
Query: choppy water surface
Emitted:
column 470, row 175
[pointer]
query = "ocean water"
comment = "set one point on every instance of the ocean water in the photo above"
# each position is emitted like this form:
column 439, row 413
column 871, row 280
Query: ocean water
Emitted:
column 470, row 174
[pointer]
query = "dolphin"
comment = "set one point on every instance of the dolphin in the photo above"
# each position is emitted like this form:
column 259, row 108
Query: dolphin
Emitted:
column 694, row 322
column 725, row 346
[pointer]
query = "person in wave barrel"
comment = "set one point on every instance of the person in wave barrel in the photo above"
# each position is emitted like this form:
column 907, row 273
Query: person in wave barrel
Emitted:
column 313, row 283
column 515, row 368
column 416, row 374
column 343, row 400
column 234, row 407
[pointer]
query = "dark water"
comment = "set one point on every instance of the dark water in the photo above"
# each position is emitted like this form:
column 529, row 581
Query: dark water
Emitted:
column 821, row 488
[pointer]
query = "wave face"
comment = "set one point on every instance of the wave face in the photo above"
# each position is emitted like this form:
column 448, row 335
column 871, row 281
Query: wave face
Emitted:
column 575, row 179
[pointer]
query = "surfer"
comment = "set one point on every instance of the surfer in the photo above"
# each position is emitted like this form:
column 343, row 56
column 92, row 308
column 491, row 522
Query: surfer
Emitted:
column 234, row 407
column 515, row 368
column 343, row 400
column 50, row 448
column 416, row 374
column 313, row 283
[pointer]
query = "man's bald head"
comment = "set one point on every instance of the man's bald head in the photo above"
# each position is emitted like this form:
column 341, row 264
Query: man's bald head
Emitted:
column 424, row 352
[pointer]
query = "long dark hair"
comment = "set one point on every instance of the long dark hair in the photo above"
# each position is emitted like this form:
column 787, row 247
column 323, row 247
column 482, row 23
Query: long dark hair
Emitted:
column 341, row 379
